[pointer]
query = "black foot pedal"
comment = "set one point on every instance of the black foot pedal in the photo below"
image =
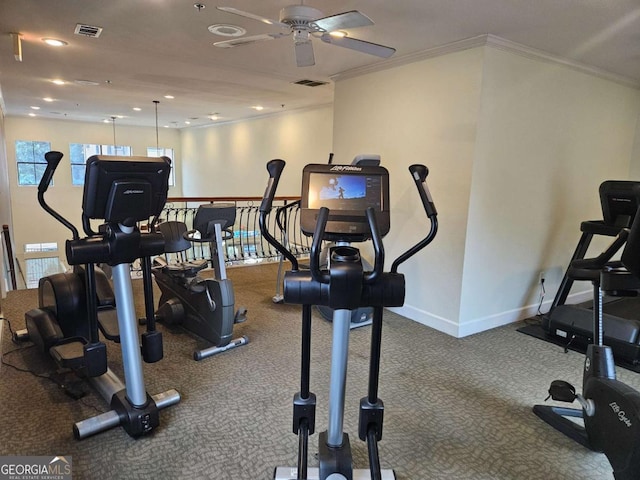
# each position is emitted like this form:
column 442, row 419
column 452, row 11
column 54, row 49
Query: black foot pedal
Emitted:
column 562, row 391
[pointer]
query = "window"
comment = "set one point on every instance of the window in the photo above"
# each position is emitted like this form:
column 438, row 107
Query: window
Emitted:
column 163, row 152
column 41, row 247
column 41, row 267
column 79, row 152
column 30, row 160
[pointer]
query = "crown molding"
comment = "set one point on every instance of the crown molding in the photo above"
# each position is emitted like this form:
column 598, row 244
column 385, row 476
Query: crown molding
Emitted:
column 491, row 41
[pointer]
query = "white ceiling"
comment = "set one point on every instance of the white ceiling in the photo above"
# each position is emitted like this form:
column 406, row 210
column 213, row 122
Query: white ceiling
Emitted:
column 151, row 48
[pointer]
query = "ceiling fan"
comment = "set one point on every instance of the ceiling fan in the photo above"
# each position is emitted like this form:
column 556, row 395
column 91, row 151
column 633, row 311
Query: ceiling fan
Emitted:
column 305, row 22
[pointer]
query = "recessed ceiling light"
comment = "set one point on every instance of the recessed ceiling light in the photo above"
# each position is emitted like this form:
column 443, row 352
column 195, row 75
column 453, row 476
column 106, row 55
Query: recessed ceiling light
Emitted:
column 33, row 107
column 106, row 121
column 170, row 97
column 54, row 42
column 258, row 107
column 58, row 81
column 48, row 99
column 226, row 30
column 137, row 109
column 88, row 83
column 32, row 114
column 187, row 122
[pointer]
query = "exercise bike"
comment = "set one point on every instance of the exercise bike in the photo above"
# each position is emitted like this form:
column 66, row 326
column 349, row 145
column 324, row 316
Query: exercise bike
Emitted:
column 610, row 409
column 203, row 306
column 361, row 213
column 73, row 306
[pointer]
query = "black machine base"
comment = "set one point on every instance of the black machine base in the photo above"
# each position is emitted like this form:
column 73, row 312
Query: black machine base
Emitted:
column 335, row 460
column 559, row 418
column 573, row 324
column 291, row 473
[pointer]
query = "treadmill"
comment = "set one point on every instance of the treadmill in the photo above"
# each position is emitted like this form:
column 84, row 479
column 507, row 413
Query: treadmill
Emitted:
column 572, row 325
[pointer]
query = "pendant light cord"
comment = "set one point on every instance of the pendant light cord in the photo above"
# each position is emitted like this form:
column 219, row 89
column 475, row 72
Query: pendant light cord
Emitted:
column 157, row 143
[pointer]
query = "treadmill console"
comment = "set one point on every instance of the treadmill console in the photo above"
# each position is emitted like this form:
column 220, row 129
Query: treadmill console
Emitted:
column 620, row 200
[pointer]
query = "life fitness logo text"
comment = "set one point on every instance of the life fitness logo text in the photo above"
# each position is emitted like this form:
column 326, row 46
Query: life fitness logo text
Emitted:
column 345, row 168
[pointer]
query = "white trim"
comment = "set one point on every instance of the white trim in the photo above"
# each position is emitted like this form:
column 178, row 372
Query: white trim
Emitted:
column 428, row 319
column 478, row 325
column 489, row 41
column 308, row 108
column 535, row 54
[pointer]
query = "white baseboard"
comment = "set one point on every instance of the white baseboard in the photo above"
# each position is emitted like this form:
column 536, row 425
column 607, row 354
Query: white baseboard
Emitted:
column 451, row 327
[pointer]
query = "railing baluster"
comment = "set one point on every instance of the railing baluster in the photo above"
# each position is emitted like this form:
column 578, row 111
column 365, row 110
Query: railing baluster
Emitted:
column 246, row 244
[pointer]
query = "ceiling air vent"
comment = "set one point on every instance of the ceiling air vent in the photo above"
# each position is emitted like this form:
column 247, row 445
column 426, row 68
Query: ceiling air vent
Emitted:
column 88, row 30
column 310, row 83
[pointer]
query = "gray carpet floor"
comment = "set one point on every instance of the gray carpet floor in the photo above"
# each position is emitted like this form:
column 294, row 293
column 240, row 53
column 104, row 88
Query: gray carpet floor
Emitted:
column 454, row 408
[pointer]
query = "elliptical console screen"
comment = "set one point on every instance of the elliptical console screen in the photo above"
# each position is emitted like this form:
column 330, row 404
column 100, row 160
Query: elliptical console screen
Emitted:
column 347, row 191
column 125, row 189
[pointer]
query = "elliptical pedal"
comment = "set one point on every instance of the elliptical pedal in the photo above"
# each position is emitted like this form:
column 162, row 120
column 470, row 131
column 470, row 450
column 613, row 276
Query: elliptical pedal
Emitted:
column 70, row 354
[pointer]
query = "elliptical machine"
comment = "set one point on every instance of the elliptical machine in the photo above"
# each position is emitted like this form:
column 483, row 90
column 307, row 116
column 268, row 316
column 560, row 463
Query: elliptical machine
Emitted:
column 360, row 317
column 203, row 306
column 610, row 409
column 361, row 213
column 74, row 305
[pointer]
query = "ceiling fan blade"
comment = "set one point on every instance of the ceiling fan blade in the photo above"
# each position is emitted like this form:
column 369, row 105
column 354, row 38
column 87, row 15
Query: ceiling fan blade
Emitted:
column 304, row 54
column 340, row 21
column 252, row 16
column 359, row 45
column 236, row 42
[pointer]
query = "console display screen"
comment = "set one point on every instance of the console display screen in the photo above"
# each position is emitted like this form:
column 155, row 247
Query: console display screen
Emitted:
column 347, row 192
column 344, row 192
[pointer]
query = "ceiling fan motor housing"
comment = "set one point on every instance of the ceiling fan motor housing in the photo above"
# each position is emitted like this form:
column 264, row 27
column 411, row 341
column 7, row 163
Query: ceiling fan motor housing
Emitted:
column 299, row 15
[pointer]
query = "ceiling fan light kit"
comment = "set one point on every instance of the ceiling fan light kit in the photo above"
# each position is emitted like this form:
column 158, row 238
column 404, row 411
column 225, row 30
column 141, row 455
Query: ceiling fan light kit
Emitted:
column 304, row 23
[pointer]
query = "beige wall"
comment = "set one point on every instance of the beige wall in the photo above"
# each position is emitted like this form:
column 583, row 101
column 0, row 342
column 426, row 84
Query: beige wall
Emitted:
column 222, row 160
column 548, row 135
column 5, row 199
column 516, row 146
column 425, row 112
column 30, row 223
column 230, row 159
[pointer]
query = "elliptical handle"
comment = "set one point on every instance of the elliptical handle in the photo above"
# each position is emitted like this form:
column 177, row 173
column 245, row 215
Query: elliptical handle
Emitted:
column 378, row 248
column 53, row 159
column 419, row 174
column 316, row 246
column 275, row 168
